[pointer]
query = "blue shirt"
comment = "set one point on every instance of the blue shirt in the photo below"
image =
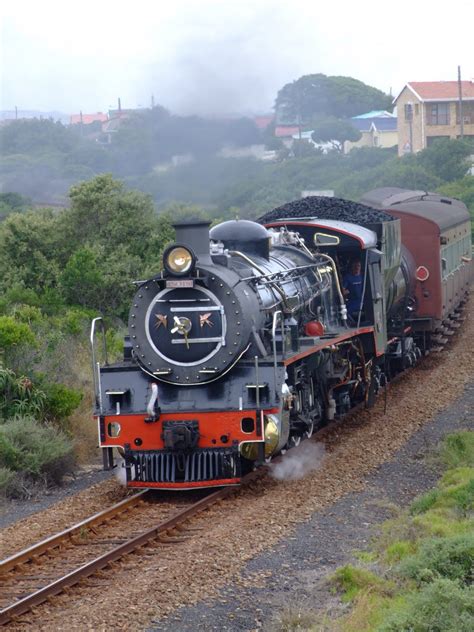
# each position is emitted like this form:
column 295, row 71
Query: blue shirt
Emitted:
column 354, row 284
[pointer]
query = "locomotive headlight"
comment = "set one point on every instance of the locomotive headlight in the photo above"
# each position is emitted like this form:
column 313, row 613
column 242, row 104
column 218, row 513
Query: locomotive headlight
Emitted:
column 178, row 260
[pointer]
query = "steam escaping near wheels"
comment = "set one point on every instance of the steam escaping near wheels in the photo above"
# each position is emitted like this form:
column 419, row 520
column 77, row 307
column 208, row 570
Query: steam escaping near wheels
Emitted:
column 120, row 473
column 299, row 461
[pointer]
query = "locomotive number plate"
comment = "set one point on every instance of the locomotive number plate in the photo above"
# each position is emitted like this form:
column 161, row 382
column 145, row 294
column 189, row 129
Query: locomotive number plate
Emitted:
column 180, row 283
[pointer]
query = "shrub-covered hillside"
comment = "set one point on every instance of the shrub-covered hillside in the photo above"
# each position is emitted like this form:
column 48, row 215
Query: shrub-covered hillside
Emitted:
column 60, row 269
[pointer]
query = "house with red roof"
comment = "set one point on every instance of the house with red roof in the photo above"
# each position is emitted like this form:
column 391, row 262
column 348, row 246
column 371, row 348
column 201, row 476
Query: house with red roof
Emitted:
column 87, row 119
column 263, row 121
column 429, row 110
column 286, row 131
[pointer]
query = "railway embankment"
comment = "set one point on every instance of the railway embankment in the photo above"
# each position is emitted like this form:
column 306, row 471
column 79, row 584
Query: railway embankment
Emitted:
column 275, row 541
column 292, row 584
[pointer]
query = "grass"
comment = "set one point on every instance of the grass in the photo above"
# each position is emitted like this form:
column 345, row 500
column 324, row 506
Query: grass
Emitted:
column 296, row 619
column 351, row 581
column 398, row 550
column 366, row 557
column 457, row 450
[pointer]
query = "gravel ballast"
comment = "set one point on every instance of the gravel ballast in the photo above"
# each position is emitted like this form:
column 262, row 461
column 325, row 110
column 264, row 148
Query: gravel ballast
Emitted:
column 13, row 510
column 150, row 586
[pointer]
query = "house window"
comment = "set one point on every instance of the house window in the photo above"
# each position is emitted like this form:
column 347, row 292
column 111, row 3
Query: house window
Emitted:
column 438, row 114
column 467, row 113
column 417, row 109
column 408, row 112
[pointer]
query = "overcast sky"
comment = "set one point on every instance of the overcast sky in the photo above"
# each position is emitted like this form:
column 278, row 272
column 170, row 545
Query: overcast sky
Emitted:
column 210, row 57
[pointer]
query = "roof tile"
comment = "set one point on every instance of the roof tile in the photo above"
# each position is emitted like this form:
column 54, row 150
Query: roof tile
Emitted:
column 87, row 118
column 432, row 90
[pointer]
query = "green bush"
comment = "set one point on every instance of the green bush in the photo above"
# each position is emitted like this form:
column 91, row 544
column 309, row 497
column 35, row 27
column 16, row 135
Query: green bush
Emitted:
column 6, row 477
column 451, row 558
column 13, row 333
column 18, row 395
column 36, row 451
column 76, row 321
column 27, row 314
column 61, row 401
column 442, row 606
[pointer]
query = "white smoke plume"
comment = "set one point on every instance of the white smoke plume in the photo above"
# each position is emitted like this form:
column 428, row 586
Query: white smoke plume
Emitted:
column 297, row 462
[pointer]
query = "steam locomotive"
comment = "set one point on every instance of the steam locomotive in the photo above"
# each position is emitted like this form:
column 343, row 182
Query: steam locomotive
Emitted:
column 242, row 345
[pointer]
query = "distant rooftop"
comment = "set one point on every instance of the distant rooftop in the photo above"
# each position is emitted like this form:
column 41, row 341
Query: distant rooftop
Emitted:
column 285, row 131
column 263, row 121
column 87, row 119
column 375, row 114
column 378, row 123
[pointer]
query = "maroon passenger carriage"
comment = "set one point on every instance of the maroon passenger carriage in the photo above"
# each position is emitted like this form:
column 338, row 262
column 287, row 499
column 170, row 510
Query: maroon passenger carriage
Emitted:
column 437, row 231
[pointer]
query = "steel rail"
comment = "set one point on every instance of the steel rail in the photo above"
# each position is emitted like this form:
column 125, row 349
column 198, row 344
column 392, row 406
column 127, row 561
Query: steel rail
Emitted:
column 32, row 552
column 43, row 594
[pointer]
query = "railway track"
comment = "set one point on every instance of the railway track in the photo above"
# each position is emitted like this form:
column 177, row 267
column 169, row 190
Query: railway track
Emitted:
column 34, row 575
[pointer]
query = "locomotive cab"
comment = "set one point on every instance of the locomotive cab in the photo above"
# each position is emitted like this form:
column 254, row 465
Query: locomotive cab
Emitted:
column 344, row 243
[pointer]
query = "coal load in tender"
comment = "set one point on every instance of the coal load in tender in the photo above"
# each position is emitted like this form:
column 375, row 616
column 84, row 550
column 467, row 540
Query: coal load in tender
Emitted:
column 327, row 208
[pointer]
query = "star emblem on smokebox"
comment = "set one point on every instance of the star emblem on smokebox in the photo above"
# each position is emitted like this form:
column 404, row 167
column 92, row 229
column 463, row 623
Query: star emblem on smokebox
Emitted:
column 204, row 319
column 161, row 319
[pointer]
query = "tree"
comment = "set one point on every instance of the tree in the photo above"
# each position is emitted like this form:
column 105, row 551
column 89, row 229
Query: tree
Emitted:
column 447, row 159
column 304, row 149
column 274, row 144
column 104, row 212
column 462, row 190
column 363, row 157
column 81, row 279
column 32, row 250
column 12, row 203
column 318, row 95
column 36, row 136
column 334, row 131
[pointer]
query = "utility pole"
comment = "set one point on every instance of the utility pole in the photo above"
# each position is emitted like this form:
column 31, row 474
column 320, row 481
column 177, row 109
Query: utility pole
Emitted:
column 461, row 117
column 119, row 108
column 82, row 123
column 16, row 113
column 299, row 112
column 409, row 118
column 152, row 101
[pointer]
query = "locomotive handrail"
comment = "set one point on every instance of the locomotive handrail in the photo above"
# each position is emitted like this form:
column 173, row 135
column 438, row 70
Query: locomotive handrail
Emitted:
column 338, row 286
column 285, row 272
column 259, row 270
column 276, row 315
column 95, row 364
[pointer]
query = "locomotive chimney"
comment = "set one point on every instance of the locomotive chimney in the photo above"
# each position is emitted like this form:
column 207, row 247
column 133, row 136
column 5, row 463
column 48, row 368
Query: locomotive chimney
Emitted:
column 195, row 235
